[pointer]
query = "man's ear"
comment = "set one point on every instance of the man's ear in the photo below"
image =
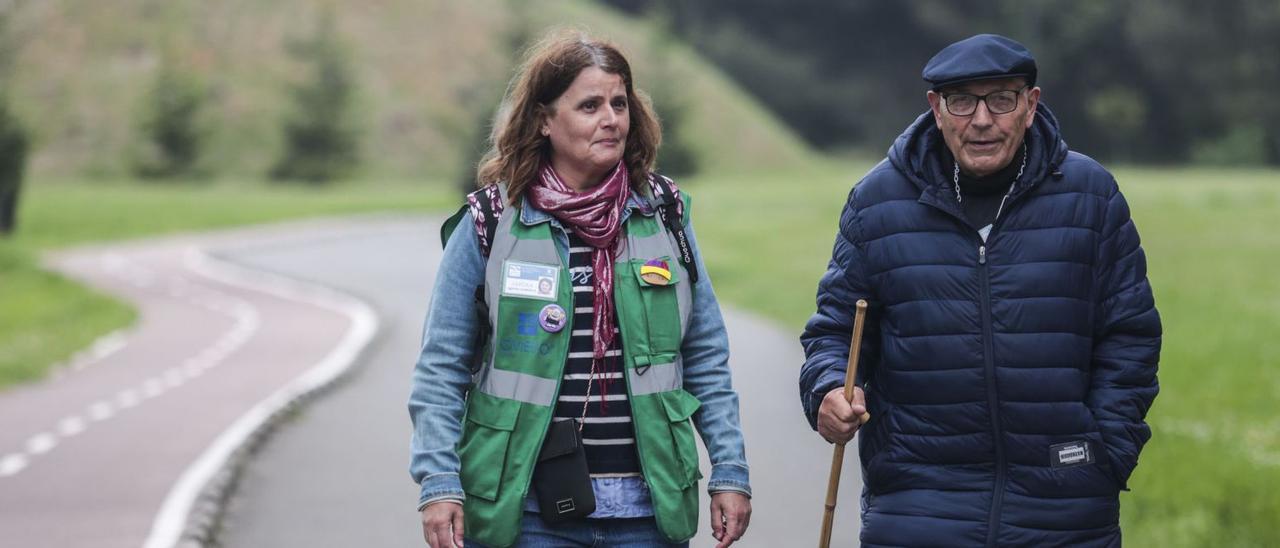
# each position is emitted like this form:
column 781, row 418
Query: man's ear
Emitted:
column 935, row 104
column 1033, row 99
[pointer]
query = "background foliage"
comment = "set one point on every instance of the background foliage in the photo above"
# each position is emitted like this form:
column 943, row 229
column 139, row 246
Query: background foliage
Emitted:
column 1139, row 81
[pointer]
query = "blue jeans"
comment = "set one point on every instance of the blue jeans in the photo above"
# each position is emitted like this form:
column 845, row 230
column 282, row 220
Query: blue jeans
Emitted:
column 622, row 533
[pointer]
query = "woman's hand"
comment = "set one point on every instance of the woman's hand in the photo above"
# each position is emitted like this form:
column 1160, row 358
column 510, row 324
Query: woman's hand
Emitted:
column 442, row 524
column 730, row 514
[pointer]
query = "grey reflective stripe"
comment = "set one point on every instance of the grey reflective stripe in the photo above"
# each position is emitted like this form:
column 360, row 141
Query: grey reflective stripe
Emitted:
column 662, row 244
column 659, row 377
column 500, row 247
column 506, row 247
column 519, row 386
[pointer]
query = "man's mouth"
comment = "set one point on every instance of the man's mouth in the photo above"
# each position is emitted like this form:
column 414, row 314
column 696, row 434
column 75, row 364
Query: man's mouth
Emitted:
column 983, row 145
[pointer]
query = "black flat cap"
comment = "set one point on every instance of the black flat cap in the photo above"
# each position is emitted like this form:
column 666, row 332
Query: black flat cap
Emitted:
column 980, row 57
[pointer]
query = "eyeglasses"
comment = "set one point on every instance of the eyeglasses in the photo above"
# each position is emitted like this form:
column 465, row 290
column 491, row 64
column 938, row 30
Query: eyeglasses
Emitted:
column 998, row 102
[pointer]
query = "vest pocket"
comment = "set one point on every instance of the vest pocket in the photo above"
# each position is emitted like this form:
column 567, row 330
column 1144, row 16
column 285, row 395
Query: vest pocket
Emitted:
column 661, row 310
column 681, row 405
column 485, row 437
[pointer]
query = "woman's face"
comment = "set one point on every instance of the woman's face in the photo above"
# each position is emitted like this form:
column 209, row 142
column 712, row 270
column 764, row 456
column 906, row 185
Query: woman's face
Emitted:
column 587, row 126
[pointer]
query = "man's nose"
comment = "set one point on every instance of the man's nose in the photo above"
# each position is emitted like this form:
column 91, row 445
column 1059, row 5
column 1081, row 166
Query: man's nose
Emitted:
column 981, row 116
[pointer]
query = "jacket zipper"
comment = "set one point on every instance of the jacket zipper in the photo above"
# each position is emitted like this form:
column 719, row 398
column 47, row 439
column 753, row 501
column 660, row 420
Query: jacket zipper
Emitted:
column 993, row 404
column 989, row 367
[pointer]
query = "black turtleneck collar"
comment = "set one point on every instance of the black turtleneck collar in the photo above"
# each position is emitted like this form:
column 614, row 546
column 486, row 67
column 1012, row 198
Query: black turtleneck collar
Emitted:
column 995, row 183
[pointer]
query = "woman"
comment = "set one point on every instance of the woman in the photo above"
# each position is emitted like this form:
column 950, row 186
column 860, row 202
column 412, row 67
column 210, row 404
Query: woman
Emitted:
column 600, row 332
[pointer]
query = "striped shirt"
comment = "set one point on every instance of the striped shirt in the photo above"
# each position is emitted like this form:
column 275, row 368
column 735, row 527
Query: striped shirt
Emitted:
column 607, row 434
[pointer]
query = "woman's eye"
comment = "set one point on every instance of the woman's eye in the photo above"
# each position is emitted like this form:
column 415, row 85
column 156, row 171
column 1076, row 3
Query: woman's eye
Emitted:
column 589, row 106
column 620, row 105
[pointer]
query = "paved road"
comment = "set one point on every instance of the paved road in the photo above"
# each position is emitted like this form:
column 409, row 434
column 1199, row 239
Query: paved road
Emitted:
column 336, row 474
column 90, row 457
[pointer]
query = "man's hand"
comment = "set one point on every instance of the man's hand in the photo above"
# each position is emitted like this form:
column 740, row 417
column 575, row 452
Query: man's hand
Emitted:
column 730, row 514
column 838, row 420
column 442, row 524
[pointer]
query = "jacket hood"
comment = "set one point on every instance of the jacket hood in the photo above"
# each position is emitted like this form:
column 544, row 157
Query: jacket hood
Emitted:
column 920, row 152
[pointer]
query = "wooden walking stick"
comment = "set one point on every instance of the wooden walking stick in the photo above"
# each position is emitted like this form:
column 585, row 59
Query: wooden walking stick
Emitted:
column 837, row 458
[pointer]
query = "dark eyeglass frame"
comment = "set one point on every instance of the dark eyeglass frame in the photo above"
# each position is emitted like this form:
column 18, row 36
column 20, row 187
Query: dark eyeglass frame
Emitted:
column 946, row 101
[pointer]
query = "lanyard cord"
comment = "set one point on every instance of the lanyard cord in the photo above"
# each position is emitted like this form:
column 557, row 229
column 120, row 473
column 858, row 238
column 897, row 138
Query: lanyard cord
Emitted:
column 955, row 180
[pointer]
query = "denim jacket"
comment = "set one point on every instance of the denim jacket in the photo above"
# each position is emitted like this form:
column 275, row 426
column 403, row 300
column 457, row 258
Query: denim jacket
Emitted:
column 441, row 377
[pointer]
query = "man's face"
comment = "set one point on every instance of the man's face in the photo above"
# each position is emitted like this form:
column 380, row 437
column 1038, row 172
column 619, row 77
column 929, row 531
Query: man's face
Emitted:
column 985, row 142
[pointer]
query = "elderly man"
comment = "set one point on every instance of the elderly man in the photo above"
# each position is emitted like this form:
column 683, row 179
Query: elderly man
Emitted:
column 1011, row 345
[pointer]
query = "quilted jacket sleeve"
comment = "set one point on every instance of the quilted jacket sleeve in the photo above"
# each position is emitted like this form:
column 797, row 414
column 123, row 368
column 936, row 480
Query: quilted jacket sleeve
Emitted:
column 826, row 336
column 1126, row 346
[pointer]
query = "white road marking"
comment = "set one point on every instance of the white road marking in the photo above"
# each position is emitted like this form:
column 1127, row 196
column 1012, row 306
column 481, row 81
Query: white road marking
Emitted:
column 41, row 443
column 12, row 464
column 174, row 378
column 105, row 346
column 152, row 388
column 101, row 411
column 194, row 368
column 127, row 398
column 70, row 426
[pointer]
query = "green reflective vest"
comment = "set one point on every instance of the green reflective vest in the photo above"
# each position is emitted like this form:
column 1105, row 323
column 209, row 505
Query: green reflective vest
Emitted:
column 510, row 408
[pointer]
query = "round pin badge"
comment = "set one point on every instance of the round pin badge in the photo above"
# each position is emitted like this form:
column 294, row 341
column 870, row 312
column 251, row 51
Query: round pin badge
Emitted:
column 655, row 272
column 552, row 318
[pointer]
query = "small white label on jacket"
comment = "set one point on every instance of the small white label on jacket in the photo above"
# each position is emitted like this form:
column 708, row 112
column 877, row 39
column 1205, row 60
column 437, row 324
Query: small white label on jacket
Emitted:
column 1070, row 454
column 530, row 280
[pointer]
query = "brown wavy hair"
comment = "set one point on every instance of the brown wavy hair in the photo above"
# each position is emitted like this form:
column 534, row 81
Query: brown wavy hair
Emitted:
column 518, row 148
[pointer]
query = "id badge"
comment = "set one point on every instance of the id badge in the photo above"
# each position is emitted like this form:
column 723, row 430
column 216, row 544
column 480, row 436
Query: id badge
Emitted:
column 530, row 280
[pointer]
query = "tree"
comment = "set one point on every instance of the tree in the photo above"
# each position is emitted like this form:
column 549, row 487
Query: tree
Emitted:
column 14, row 142
column 320, row 140
column 676, row 156
column 13, row 162
column 171, row 125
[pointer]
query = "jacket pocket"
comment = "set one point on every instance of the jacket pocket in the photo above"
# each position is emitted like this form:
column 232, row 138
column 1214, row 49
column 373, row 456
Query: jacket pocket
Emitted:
column 1103, row 458
column 875, row 442
column 661, row 310
column 485, row 439
column 680, row 406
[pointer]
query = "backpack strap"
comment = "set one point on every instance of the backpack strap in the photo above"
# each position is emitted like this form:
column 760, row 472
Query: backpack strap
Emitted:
column 485, row 206
column 451, row 224
column 665, row 197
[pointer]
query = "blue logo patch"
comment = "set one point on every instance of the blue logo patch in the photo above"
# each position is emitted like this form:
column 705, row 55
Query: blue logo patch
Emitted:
column 527, row 323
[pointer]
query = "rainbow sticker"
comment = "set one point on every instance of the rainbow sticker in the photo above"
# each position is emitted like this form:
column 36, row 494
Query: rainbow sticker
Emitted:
column 656, row 272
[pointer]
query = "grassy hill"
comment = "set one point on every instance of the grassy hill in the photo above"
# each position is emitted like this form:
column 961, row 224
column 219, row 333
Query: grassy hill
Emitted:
column 429, row 72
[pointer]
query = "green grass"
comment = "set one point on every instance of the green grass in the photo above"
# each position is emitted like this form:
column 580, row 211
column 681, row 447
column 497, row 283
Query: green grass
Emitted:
column 47, row 318
column 1211, row 474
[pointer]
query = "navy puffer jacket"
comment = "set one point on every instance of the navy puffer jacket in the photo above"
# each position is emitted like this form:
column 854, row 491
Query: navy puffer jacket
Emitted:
column 1007, row 381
